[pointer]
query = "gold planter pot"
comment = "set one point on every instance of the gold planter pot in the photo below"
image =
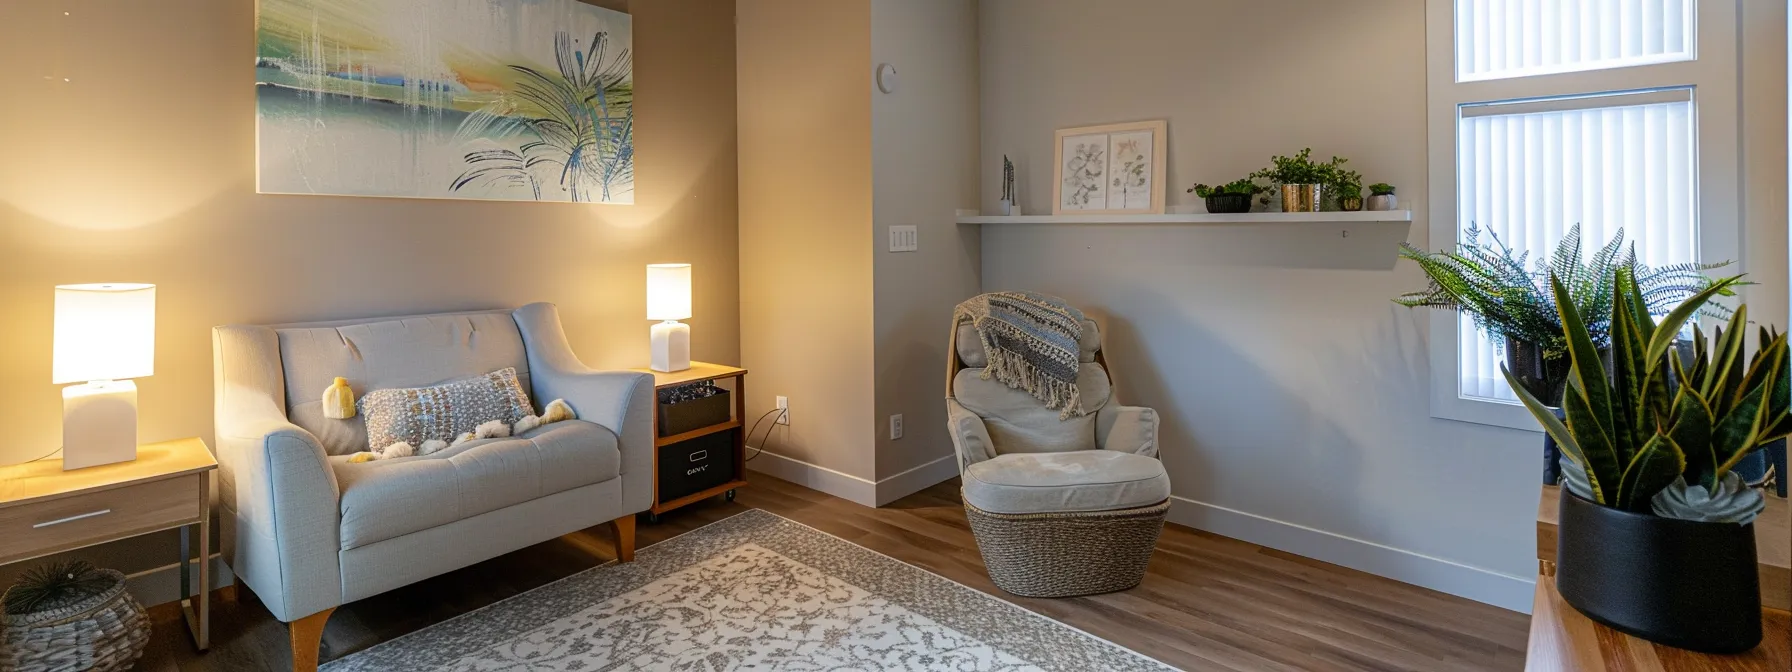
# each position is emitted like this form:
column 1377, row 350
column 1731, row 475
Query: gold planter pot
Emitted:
column 1350, row 204
column 1301, row 197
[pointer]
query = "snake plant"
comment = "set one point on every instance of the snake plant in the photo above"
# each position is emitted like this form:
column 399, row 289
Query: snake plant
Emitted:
column 1658, row 425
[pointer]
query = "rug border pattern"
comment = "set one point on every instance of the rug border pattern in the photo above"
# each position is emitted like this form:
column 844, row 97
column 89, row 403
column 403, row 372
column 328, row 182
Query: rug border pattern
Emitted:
column 1034, row 637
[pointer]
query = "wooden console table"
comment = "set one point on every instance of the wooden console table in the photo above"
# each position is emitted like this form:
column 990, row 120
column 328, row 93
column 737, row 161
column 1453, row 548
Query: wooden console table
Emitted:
column 1564, row 640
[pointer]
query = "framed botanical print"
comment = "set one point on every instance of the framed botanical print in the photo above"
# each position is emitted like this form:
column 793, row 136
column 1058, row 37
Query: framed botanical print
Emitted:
column 1109, row 170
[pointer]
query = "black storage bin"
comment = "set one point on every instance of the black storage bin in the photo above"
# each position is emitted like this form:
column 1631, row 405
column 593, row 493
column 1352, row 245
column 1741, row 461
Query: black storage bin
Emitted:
column 695, row 465
column 685, row 416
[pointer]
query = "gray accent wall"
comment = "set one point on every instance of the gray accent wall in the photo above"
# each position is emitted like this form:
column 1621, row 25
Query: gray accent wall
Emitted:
column 1293, row 394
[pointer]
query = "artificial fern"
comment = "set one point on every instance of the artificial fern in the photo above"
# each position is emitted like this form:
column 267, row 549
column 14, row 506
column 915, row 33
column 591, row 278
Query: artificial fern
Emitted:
column 55, row 585
column 1509, row 301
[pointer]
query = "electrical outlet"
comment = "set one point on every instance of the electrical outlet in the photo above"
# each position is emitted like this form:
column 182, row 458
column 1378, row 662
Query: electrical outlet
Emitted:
column 904, row 239
column 784, row 411
column 895, row 426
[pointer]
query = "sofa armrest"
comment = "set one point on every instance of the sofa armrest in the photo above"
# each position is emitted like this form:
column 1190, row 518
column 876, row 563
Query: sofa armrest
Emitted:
column 970, row 437
column 1128, row 429
column 281, row 517
column 621, row 401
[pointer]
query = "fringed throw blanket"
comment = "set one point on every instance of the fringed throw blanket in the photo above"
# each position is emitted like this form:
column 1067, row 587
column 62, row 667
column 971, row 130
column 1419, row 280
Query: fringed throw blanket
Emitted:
column 1031, row 340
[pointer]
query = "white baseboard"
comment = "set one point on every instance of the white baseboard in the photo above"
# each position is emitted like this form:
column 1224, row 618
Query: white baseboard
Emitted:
column 916, row 479
column 852, row 488
column 815, row 477
column 162, row 584
column 1475, row 583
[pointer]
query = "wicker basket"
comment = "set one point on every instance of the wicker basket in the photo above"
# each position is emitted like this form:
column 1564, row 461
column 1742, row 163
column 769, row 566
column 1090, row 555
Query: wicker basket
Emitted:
column 1067, row 554
column 101, row 633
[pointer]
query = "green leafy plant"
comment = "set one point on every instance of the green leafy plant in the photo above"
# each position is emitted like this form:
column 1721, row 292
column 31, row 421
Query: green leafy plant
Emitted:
column 1509, row 300
column 1300, row 169
column 1345, row 184
column 1244, row 187
column 1657, row 420
column 55, row 585
column 1381, row 189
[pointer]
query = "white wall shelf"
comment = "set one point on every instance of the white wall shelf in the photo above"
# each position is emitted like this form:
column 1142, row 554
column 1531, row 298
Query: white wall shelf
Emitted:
column 1202, row 218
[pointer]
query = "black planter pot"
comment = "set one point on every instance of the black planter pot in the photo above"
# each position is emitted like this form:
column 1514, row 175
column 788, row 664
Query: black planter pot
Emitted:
column 1676, row 582
column 1228, row 204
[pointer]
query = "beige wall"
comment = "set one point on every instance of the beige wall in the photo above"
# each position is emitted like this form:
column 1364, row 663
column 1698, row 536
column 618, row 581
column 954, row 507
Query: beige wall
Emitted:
column 924, row 168
column 805, row 225
column 1294, row 395
column 142, row 168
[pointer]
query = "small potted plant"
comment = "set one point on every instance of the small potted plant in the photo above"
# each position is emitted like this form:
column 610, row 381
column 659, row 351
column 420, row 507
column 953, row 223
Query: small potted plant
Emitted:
column 1347, row 186
column 1656, row 534
column 1231, row 198
column 1302, row 181
column 1381, row 197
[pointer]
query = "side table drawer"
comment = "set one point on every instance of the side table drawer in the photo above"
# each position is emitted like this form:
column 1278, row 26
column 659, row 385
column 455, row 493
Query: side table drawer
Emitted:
column 42, row 528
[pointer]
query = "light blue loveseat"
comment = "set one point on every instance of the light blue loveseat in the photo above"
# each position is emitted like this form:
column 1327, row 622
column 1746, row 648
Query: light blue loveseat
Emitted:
column 308, row 531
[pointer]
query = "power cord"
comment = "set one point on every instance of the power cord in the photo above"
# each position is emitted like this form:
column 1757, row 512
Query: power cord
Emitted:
column 45, row 456
column 768, row 432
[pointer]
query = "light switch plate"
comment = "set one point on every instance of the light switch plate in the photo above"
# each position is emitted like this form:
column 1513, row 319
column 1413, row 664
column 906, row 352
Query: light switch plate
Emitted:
column 895, row 426
column 904, row 239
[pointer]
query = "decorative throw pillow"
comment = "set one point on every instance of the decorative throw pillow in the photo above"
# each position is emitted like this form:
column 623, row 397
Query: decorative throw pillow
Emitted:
column 443, row 411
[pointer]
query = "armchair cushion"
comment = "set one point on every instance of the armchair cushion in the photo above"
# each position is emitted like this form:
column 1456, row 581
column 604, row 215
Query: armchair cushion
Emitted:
column 1092, row 480
column 391, row 498
column 1128, row 429
column 1018, row 423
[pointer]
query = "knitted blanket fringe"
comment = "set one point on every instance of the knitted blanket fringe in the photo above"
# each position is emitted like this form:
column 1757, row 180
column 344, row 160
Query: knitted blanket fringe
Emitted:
column 1031, row 341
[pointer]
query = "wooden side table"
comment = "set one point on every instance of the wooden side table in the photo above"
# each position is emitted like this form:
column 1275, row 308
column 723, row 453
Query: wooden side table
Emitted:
column 700, row 372
column 45, row 510
column 1565, row 640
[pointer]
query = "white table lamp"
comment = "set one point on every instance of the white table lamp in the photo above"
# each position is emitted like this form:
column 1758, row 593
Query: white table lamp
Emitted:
column 669, row 300
column 105, row 335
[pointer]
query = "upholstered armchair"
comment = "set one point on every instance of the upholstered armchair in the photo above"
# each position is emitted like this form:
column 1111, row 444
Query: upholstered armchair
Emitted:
column 308, row 531
column 1060, row 507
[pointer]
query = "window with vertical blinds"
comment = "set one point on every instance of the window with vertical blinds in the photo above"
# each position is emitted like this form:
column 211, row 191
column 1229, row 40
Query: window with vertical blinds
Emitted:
column 1528, row 171
column 1515, row 38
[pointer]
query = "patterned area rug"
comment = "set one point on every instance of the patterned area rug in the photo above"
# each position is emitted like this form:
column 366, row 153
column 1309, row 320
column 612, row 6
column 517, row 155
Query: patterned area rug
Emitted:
column 753, row 592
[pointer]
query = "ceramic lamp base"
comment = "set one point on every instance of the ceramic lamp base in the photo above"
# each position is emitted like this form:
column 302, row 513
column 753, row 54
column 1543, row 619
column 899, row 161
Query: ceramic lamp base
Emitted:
column 99, row 424
column 671, row 346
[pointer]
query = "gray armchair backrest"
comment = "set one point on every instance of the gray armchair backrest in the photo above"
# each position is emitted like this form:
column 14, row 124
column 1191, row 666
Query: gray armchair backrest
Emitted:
column 389, row 353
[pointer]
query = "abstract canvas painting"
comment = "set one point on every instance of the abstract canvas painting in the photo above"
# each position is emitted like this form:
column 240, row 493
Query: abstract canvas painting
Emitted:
column 528, row 100
column 1112, row 169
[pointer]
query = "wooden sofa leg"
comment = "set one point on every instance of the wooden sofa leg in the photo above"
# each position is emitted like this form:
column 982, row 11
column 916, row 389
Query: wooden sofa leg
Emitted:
column 307, row 634
column 625, row 537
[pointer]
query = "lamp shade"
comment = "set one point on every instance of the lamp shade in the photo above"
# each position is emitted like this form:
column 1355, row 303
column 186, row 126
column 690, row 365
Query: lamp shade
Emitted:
column 668, row 291
column 104, row 332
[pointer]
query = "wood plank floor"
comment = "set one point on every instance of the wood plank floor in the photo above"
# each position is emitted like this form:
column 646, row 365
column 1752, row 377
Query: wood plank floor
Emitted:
column 1209, row 602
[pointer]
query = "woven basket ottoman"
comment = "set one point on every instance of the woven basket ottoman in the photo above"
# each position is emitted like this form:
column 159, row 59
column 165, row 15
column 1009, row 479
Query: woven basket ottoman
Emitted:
column 1066, row 524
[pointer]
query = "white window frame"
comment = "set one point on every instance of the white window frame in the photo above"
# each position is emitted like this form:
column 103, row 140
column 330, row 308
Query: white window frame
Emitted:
column 1714, row 76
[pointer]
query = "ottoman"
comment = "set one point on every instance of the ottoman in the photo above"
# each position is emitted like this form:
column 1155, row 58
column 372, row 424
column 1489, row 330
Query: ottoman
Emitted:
column 1066, row 524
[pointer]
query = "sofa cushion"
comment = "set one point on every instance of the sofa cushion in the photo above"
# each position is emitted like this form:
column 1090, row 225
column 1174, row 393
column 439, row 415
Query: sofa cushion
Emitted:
column 385, row 354
column 1019, row 423
column 970, row 348
column 1090, row 480
column 417, row 414
column 384, row 499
